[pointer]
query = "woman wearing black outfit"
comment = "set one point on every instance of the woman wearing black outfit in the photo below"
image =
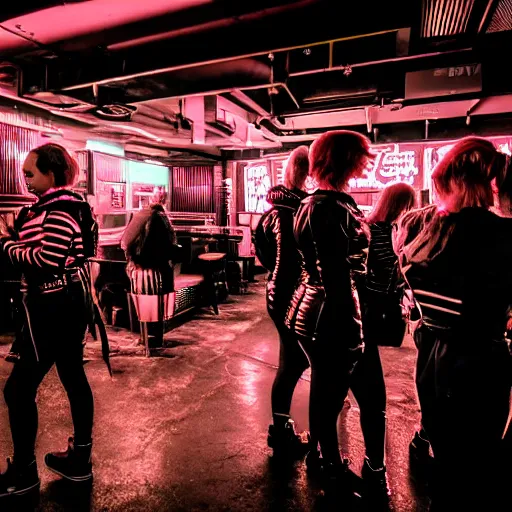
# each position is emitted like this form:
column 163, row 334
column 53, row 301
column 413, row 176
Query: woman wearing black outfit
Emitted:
column 379, row 296
column 325, row 313
column 278, row 253
column 55, row 237
column 456, row 257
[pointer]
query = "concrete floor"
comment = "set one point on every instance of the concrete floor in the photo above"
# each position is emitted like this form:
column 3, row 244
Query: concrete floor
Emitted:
column 187, row 431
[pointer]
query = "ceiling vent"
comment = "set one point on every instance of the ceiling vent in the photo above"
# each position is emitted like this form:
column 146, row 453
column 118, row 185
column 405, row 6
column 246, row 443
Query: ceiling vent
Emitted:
column 502, row 17
column 442, row 18
column 448, row 81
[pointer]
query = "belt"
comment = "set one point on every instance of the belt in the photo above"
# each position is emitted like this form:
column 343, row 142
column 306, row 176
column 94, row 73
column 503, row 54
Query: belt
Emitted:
column 95, row 322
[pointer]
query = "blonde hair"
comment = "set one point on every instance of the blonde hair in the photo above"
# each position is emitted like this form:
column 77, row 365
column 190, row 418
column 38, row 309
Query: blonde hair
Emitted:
column 297, row 168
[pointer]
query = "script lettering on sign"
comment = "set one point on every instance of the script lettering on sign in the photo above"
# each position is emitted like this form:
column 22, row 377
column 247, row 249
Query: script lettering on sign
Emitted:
column 389, row 166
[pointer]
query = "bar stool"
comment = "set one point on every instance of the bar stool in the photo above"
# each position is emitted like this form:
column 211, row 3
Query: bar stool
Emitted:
column 214, row 270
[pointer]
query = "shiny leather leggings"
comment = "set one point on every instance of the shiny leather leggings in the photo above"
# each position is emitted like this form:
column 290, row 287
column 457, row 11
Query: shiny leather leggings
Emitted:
column 292, row 364
column 369, row 390
column 331, row 366
column 52, row 333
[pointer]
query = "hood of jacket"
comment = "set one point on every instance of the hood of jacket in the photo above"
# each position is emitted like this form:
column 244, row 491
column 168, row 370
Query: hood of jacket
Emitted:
column 282, row 196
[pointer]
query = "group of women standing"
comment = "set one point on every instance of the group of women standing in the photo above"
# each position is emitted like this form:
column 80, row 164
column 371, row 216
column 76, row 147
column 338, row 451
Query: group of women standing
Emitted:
column 454, row 256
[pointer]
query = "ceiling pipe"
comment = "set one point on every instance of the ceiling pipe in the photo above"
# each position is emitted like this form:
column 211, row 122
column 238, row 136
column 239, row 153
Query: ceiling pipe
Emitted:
column 170, row 69
column 377, row 62
column 210, row 25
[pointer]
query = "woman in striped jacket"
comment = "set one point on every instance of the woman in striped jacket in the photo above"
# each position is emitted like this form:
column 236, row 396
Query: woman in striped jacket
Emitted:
column 456, row 257
column 55, row 237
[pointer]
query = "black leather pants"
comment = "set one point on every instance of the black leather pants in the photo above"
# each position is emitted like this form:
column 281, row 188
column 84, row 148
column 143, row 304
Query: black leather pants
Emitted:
column 331, row 366
column 369, row 390
column 292, row 364
column 465, row 396
column 52, row 333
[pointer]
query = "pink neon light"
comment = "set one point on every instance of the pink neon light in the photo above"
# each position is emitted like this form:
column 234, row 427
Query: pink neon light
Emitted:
column 391, row 165
column 257, row 185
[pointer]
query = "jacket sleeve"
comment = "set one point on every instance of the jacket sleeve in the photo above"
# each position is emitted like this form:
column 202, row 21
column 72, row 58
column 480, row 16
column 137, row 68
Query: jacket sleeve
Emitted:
column 264, row 239
column 51, row 249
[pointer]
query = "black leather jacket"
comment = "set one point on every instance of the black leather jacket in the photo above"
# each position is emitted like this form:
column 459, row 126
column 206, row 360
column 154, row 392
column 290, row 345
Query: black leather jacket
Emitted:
column 458, row 266
column 277, row 250
column 333, row 241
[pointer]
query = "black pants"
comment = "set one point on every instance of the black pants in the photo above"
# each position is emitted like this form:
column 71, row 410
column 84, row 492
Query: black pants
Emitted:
column 464, row 391
column 331, row 366
column 52, row 334
column 292, row 364
column 369, row 390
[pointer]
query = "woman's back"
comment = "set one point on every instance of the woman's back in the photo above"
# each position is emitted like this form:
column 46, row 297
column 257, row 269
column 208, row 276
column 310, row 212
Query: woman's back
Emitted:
column 382, row 260
column 459, row 268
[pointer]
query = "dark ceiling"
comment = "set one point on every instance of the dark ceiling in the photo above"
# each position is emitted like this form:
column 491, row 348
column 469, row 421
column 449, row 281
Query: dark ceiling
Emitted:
column 280, row 70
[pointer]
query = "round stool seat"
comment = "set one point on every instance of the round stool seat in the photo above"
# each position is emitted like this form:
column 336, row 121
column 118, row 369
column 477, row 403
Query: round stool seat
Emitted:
column 212, row 256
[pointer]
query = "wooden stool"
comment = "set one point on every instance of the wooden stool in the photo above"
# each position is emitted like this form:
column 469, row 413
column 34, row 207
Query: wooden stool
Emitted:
column 214, row 268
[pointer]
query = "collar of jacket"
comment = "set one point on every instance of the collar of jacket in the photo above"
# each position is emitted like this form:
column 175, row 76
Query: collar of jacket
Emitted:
column 61, row 194
column 336, row 195
column 282, row 196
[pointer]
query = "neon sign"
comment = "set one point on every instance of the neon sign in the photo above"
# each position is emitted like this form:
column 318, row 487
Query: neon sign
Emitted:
column 280, row 166
column 257, row 185
column 389, row 166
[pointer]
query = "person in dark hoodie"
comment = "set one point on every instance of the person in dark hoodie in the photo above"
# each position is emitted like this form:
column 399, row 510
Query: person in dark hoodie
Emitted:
column 277, row 252
column 55, row 236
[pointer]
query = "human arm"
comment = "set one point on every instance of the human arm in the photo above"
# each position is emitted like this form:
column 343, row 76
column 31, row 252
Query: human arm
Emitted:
column 49, row 246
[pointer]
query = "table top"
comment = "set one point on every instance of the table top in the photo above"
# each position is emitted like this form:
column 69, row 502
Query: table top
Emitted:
column 212, row 256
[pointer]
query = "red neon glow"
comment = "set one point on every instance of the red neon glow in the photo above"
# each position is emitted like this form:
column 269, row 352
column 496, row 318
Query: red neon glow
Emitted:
column 391, row 165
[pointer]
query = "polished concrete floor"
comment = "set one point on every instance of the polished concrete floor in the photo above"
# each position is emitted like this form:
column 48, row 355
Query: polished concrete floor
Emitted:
column 186, row 431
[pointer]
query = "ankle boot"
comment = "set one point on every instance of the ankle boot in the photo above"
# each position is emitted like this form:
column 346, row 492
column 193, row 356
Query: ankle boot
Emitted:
column 376, row 482
column 340, row 481
column 19, row 479
column 285, row 441
column 73, row 464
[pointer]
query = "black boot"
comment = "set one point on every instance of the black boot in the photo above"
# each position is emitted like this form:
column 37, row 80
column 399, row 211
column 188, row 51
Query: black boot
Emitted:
column 12, row 357
column 18, row 480
column 419, row 452
column 376, row 484
column 285, row 441
column 341, row 482
column 73, row 464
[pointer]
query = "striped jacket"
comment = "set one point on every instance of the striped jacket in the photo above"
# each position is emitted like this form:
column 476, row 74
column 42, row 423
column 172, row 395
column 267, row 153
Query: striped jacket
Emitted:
column 382, row 260
column 55, row 234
